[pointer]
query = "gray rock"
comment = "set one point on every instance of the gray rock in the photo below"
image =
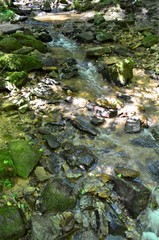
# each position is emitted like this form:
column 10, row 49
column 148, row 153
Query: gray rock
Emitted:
column 82, row 124
column 134, row 195
column 52, row 141
column 144, row 141
column 79, row 156
column 133, row 125
column 86, row 36
column 11, row 222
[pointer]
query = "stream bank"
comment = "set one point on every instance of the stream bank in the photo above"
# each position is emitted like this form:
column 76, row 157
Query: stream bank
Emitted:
column 95, row 140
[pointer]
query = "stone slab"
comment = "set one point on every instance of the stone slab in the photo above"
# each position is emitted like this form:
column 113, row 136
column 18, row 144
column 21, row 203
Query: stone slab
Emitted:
column 8, row 28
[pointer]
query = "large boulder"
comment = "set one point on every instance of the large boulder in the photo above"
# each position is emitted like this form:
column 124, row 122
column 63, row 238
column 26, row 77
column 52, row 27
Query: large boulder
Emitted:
column 57, row 197
column 121, row 72
column 25, row 156
column 19, row 62
column 11, row 222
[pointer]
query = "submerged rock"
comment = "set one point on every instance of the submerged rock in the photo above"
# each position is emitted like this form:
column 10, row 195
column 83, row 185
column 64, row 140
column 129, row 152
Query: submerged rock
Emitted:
column 12, row 225
column 144, row 141
column 134, row 195
column 25, row 156
column 52, row 141
column 57, row 197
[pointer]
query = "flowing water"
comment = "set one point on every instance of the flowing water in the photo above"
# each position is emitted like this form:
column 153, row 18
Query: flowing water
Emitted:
column 113, row 145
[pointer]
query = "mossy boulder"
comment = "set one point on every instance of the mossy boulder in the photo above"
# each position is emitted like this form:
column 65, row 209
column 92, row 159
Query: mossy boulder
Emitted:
column 11, row 222
column 122, row 72
column 98, row 19
column 7, row 168
column 19, row 62
column 30, row 41
column 57, row 197
column 24, row 155
column 18, row 40
column 18, row 79
column 9, row 44
column 150, row 40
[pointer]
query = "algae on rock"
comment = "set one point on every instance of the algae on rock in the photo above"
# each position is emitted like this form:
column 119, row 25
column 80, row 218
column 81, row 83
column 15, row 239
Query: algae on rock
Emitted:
column 24, row 155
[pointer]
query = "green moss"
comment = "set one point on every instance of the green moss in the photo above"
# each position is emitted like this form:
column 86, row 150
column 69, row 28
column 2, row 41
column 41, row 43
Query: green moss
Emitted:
column 150, row 40
column 19, row 62
column 30, row 41
column 9, row 44
column 57, row 198
column 7, row 168
column 17, row 78
column 12, row 226
column 25, row 156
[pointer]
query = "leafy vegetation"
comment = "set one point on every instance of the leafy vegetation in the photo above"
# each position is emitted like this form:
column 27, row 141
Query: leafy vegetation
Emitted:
column 5, row 14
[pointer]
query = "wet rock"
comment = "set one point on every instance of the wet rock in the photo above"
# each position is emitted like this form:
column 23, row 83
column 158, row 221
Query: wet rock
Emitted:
column 8, row 28
column 86, row 36
column 134, row 195
column 68, row 68
column 12, row 225
column 50, row 226
column 84, row 235
column 82, row 124
column 116, row 226
column 79, row 156
column 125, row 172
column 24, row 155
column 111, row 237
column 57, row 197
column 133, row 125
column 144, row 141
column 109, row 113
column 44, row 37
column 97, row 120
column 155, row 133
column 52, row 141
column 97, row 51
column 154, row 168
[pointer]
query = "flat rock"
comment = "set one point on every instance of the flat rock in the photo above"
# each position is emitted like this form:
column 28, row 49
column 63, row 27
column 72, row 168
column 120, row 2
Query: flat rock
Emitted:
column 10, row 28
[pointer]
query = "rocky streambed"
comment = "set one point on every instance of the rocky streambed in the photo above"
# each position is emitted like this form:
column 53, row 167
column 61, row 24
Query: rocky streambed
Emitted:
column 79, row 128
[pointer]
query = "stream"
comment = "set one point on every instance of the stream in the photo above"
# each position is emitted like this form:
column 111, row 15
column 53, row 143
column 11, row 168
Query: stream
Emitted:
column 65, row 107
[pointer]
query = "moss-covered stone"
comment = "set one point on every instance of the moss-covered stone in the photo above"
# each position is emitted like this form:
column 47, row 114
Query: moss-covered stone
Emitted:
column 30, row 41
column 25, row 156
column 7, row 168
column 121, row 72
column 150, row 40
column 12, row 226
column 16, row 78
column 19, row 62
column 9, row 44
column 98, row 19
column 57, row 197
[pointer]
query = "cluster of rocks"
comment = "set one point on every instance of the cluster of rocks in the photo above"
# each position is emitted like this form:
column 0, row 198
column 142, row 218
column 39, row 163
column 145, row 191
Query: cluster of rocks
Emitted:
column 59, row 197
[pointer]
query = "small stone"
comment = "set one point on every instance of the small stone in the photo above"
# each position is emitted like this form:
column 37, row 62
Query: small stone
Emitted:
column 125, row 172
column 52, row 141
column 133, row 125
column 41, row 174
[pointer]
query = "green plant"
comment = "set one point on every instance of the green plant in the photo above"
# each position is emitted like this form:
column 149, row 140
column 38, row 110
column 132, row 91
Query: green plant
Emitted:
column 5, row 14
column 7, row 183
